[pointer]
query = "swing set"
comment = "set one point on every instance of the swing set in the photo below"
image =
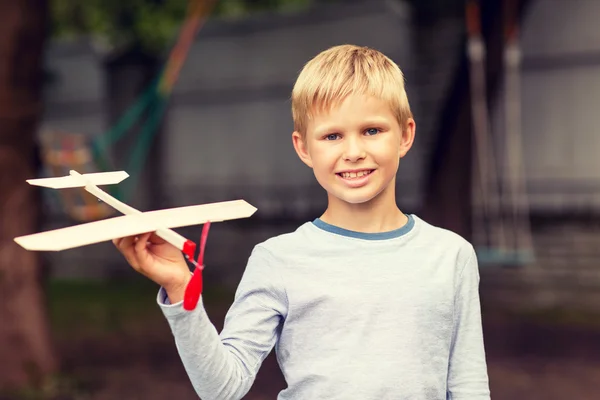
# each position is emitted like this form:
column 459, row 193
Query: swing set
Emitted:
column 65, row 151
column 501, row 229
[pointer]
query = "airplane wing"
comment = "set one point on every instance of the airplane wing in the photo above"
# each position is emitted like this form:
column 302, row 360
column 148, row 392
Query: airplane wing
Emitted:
column 134, row 224
column 70, row 181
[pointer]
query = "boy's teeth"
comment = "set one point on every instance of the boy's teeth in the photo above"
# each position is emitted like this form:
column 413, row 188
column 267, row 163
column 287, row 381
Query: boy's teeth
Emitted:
column 350, row 175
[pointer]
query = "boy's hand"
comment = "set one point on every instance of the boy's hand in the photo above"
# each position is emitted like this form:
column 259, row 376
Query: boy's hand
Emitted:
column 158, row 260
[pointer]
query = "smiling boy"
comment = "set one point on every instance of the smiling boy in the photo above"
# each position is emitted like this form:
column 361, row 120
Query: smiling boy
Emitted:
column 364, row 302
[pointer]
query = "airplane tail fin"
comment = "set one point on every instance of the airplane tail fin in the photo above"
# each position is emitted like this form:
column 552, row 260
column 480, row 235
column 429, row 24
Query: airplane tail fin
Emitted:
column 71, row 181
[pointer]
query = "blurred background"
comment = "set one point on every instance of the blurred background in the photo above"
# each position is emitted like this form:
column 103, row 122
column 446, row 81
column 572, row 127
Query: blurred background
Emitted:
column 191, row 98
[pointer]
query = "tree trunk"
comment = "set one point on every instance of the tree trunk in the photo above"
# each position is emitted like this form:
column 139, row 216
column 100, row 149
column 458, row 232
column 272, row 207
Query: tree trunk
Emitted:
column 26, row 352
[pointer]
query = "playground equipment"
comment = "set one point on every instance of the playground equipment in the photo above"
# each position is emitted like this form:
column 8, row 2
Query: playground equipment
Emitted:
column 501, row 230
column 65, row 151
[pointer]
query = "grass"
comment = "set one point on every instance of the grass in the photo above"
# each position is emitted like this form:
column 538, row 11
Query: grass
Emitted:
column 556, row 317
column 104, row 310
column 99, row 312
column 99, row 307
column 108, row 307
column 87, row 309
column 56, row 387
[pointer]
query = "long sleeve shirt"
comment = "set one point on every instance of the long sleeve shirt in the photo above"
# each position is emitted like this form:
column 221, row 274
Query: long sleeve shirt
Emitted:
column 393, row 315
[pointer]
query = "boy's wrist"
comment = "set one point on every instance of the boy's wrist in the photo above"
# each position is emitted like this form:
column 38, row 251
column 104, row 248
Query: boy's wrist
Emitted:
column 176, row 290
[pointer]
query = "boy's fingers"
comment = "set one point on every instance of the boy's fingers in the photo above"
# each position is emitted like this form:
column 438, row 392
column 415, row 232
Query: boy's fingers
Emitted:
column 126, row 246
column 140, row 248
column 155, row 239
column 142, row 242
column 125, row 243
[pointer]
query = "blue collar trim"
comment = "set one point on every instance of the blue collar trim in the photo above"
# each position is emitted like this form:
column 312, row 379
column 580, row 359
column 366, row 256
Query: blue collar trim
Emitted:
column 367, row 236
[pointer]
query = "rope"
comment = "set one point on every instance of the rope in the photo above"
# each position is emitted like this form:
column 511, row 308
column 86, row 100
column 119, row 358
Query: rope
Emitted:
column 518, row 205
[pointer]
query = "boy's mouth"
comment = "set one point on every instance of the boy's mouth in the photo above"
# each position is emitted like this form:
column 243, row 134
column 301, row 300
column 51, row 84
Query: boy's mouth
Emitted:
column 354, row 174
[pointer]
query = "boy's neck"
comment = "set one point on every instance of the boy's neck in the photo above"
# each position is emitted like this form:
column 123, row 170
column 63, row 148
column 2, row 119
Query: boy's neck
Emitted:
column 378, row 215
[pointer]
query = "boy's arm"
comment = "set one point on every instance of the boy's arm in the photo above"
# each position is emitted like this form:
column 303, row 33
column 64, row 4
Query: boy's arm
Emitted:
column 467, row 370
column 224, row 366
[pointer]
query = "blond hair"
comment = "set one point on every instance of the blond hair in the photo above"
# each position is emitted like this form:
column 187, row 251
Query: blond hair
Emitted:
column 339, row 71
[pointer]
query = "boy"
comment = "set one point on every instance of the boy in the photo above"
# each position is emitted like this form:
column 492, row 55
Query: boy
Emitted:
column 364, row 302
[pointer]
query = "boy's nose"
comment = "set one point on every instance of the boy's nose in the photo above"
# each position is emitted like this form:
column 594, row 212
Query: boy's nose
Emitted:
column 354, row 150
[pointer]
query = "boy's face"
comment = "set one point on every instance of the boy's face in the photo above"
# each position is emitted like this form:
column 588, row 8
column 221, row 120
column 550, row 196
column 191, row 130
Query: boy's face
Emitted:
column 355, row 148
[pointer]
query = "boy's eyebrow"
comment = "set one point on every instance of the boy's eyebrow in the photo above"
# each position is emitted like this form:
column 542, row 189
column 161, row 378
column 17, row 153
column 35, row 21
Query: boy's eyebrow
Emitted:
column 323, row 129
column 366, row 123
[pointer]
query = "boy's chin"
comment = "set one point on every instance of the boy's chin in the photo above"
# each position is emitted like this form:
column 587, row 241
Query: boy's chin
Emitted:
column 354, row 198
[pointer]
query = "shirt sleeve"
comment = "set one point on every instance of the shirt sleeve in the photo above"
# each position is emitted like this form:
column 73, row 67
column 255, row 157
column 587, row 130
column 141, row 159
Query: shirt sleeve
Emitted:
column 224, row 366
column 467, row 370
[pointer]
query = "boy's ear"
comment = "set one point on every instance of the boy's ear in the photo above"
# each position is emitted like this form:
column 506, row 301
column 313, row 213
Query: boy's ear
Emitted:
column 408, row 137
column 301, row 149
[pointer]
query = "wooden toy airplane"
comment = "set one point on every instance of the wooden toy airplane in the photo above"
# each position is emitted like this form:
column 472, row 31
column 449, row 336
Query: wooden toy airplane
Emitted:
column 134, row 222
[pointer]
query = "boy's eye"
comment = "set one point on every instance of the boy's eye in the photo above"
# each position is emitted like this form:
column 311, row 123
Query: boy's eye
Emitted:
column 372, row 131
column 331, row 136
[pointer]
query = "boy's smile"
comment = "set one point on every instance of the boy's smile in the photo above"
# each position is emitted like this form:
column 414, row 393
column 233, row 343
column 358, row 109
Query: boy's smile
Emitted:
column 355, row 178
column 354, row 148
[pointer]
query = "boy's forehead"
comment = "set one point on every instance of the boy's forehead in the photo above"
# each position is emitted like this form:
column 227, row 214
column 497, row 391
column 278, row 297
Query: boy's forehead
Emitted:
column 357, row 109
column 320, row 109
column 349, row 105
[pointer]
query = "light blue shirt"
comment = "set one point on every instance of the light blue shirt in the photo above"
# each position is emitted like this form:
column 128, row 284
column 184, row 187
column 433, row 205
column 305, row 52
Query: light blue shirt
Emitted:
column 393, row 315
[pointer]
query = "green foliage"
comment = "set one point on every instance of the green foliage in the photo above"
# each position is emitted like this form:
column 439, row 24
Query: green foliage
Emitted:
column 94, row 309
column 54, row 387
column 150, row 24
column 240, row 8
